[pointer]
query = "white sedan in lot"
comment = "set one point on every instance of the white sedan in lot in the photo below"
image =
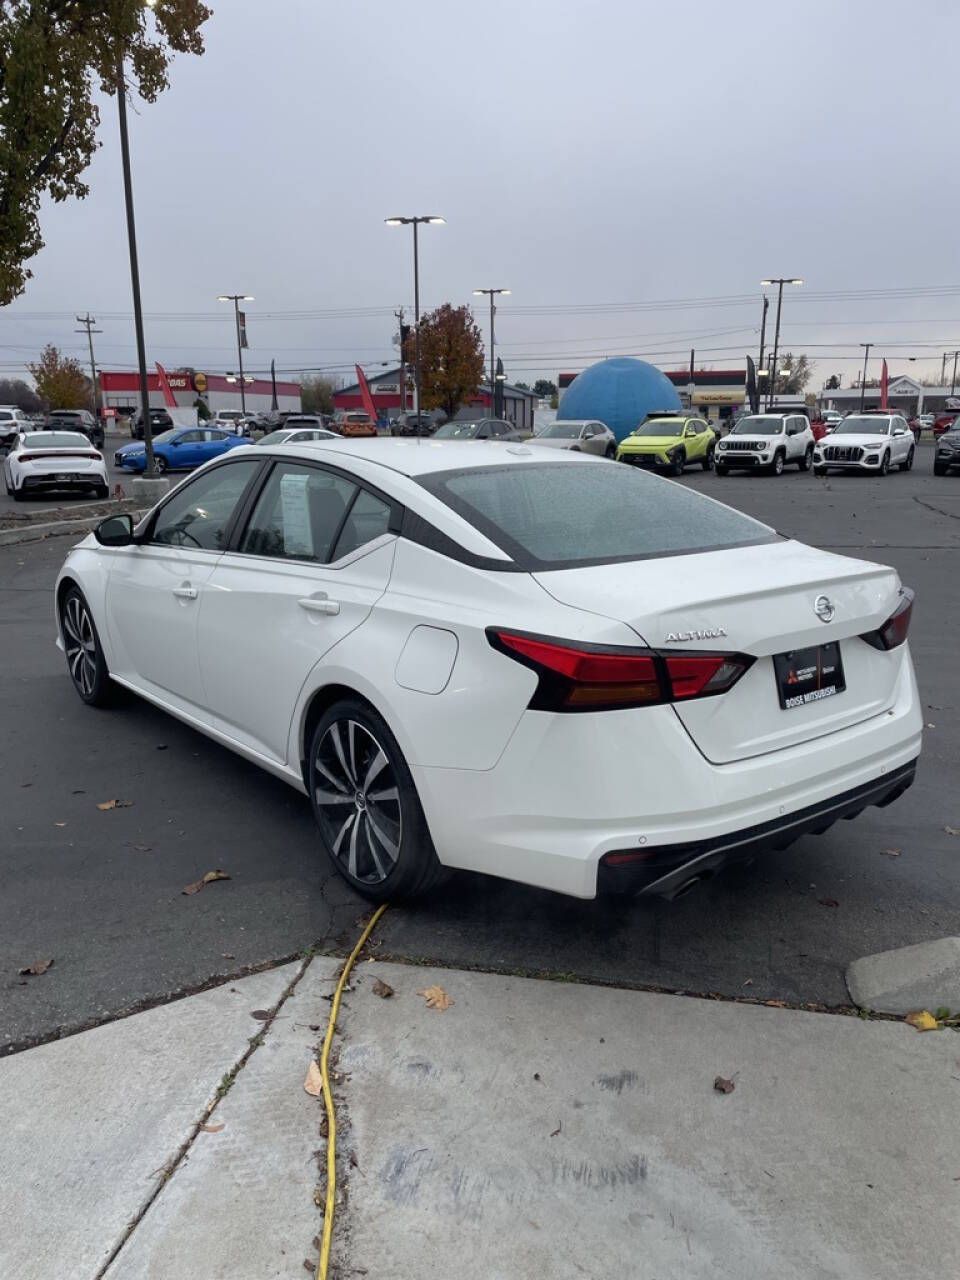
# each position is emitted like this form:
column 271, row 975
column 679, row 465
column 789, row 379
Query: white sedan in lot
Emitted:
column 866, row 442
column 53, row 461
column 513, row 660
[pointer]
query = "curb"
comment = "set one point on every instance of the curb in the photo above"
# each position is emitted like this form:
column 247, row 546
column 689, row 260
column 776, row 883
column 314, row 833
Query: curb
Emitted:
column 37, row 531
column 924, row 976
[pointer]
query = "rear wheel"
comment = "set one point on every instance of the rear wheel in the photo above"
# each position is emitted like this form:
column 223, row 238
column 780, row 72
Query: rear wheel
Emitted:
column 678, row 462
column 85, row 660
column 776, row 466
column 885, row 464
column 806, row 461
column 707, row 462
column 366, row 805
column 907, row 463
column 611, row 451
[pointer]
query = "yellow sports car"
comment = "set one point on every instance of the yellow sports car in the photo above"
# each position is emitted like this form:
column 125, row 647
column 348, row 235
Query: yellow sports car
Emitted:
column 671, row 441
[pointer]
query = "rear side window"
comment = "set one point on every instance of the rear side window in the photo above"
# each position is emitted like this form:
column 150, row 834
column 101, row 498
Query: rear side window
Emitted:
column 561, row 515
column 299, row 515
column 369, row 518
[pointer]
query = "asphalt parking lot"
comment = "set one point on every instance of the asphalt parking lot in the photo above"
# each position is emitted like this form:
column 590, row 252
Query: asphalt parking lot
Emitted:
column 99, row 892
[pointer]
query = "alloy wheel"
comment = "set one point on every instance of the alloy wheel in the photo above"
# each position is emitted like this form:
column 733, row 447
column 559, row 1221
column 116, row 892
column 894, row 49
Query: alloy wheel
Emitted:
column 80, row 644
column 358, row 801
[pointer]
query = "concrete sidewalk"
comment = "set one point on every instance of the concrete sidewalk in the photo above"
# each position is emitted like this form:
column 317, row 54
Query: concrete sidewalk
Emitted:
column 531, row 1129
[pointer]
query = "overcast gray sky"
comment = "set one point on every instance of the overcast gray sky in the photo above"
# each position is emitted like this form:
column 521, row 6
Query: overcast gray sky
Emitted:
column 604, row 156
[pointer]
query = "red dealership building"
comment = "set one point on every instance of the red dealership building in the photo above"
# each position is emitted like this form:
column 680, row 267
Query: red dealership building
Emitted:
column 121, row 392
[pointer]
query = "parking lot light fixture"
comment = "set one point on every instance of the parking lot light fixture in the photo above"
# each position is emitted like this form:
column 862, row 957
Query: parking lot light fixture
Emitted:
column 779, row 281
column 431, row 219
column 493, row 363
column 236, row 299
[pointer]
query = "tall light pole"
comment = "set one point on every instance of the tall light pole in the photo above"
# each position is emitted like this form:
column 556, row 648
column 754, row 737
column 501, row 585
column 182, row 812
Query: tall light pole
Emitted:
column 150, row 468
column 780, row 281
column 493, row 363
column 863, row 381
column 236, row 299
column 433, row 219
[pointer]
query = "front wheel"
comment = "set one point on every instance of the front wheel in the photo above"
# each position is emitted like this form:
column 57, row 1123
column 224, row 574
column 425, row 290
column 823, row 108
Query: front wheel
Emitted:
column 907, row 463
column 776, row 466
column 366, row 805
column 677, row 463
column 720, row 469
column 160, row 463
column 939, row 469
column 885, row 464
column 81, row 644
column 806, row 461
column 17, row 495
column 819, row 471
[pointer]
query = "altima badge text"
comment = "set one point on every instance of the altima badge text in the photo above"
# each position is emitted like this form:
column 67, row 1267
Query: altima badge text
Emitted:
column 711, row 633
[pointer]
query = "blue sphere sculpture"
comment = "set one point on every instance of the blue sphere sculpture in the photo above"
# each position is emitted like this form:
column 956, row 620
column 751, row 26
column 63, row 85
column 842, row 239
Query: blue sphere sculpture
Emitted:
column 620, row 392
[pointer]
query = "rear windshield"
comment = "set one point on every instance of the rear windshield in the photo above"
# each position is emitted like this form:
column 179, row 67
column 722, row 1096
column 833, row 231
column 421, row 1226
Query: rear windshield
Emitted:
column 56, row 440
column 562, row 516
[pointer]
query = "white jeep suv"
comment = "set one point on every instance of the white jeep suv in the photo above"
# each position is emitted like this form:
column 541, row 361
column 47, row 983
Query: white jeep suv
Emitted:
column 866, row 442
column 766, row 442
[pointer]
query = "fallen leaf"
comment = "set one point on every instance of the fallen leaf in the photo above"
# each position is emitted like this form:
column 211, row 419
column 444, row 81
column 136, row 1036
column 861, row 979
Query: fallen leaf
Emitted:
column 922, row 1020
column 890, row 853
column 77, row 791
column 382, row 989
column 748, row 983
column 29, row 784
column 104, row 805
column 212, row 1128
column 261, row 1015
column 557, row 1130
column 722, row 1085
column 35, row 969
column 952, row 831
column 314, row 1081
column 142, row 848
column 59, row 824
column 228, row 955
column 316, row 1243
column 162, row 746
column 436, row 998
column 207, row 879
column 828, row 902
column 309, row 1265
column 354, row 1162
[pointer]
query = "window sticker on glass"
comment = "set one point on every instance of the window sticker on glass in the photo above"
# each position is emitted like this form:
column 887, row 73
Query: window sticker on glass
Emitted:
column 294, row 506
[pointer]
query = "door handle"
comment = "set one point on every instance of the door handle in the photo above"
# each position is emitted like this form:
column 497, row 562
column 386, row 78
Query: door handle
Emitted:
column 319, row 604
column 186, row 593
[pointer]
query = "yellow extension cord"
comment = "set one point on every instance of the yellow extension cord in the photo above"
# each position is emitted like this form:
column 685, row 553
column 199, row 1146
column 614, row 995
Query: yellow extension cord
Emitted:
column 324, row 1260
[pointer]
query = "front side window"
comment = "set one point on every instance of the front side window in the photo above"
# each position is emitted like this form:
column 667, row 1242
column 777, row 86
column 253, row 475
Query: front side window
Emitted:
column 549, row 517
column 299, row 515
column 199, row 514
column 191, row 437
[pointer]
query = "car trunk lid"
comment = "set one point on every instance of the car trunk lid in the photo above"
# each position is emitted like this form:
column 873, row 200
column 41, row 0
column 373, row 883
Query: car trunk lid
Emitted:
column 759, row 601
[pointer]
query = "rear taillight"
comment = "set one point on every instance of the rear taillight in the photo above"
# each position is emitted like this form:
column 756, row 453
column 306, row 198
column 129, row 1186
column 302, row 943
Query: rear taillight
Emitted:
column 583, row 677
column 27, row 457
column 894, row 630
column 98, row 456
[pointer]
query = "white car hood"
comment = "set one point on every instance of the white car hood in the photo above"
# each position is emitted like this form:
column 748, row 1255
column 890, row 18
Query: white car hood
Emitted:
column 554, row 442
column 856, row 438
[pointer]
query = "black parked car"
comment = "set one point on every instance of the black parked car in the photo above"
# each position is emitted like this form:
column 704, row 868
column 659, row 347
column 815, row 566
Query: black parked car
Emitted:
column 413, row 424
column 482, row 429
column 948, row 450
column 160, row 420
column 76, row 420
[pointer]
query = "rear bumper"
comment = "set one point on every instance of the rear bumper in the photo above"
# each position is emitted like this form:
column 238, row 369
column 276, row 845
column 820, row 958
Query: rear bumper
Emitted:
column 37, row 484
column 666, row 870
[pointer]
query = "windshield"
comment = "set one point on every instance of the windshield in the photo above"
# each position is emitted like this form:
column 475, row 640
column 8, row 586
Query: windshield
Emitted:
column 166, row 436
column 554, row 517
column 56, row 440
column 457, row 431
column 660, row 427
column 762, row 425
column 562, row 431
column 863, row 427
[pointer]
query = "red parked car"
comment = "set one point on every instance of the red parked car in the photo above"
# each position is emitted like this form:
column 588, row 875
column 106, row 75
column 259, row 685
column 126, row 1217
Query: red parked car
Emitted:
column 943, row 421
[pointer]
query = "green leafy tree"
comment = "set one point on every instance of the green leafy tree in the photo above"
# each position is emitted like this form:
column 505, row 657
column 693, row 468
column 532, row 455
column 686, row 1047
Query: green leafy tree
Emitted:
column 61, row 381
column 316, row 395
column 202, row 408
column 544, row 388
column 522, row 386
column 451, row 358
column 15, row 391
column 792, row 383
column 53, row 56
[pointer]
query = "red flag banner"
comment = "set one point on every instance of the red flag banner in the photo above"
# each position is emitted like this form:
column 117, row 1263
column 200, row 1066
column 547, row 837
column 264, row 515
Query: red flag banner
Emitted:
column 883, row 386
column 168, row 397
column 365, row 395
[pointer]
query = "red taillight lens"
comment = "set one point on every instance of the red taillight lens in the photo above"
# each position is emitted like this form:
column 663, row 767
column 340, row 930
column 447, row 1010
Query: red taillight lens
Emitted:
column 894, row 630
column 26, row 457
column 98, row 456
column 576, row 677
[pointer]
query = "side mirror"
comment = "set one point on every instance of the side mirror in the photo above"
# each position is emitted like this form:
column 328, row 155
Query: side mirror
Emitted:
column 175, row 444
column 115, row 531
column 899, row 431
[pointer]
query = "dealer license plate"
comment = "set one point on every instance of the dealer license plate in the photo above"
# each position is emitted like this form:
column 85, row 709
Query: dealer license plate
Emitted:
column 809, row 675
column 63, row 479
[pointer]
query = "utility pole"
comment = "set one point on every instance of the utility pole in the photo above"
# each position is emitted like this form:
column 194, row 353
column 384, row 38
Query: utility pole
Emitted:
column 492, row 294
column 88, row 321
column 953, row 380
column 763, row 329
column 403, row 363
column 863, row 381
column 780, row 281
column 943, row 370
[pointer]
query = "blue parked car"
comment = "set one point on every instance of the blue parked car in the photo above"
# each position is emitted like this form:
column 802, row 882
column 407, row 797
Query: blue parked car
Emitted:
column 180, row 449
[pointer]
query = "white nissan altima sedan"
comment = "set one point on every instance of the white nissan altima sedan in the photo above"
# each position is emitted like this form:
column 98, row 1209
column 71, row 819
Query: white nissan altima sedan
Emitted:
column 514, row 660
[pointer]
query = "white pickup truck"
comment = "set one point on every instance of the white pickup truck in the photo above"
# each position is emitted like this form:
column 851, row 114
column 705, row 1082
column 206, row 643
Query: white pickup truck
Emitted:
column 766, row 442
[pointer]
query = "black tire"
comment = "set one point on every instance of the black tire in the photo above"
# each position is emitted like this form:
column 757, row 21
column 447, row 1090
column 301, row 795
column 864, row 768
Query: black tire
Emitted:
column 102, row 491
column 776, row 466
column 707, row 462
column 885, row 464
column 806, row 462
column 720, row 469
column 678, row 462
column 939, row 469
column 907, row 464
column 387, row 837
column 819, row 471
column 611, row 451
column 160, row 463
column 18, row 495
column 85, row 661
